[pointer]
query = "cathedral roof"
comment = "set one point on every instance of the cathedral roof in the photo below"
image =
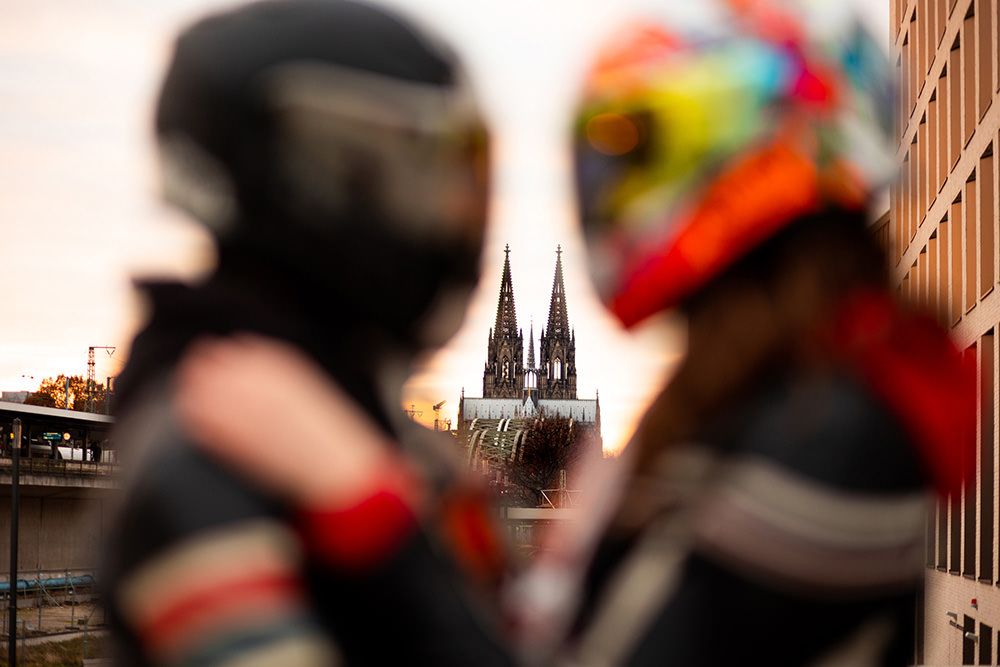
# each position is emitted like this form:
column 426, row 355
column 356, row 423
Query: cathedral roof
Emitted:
column 496, row 408
column 578, row 409
column 583, row 410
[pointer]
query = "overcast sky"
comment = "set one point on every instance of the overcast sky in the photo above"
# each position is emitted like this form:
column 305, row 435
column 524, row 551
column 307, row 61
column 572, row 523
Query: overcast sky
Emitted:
column 79, row 215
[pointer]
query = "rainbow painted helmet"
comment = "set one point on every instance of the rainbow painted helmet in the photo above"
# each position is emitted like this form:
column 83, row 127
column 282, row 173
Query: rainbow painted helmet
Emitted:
column 692, row 149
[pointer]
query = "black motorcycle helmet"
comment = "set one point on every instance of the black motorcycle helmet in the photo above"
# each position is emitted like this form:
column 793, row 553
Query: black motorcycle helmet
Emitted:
column 333, row 143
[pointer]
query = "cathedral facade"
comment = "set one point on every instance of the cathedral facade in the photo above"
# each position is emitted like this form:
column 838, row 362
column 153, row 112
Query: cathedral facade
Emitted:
column 506, row 375
column 519, row 391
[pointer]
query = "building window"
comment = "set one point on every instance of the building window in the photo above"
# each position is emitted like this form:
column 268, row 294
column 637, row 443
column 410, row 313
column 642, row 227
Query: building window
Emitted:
column 986, row 449
column 905, row 208
column 913, row 185
column 942, row 534
column 933, row 173
column 987, row 253
column 969, row 489
column 969, row 74
column 971, row 243
column 954, row 531
column 930, row 543
column 916, row 284
column 941, row 131
column 922, row 170
column 985, row 644
column 914, row 61
column 557, row 369
column 987, row 59
column 957, row 236
column 944, row 271
column 968, row 643
column 933, row 273
column 955, row 101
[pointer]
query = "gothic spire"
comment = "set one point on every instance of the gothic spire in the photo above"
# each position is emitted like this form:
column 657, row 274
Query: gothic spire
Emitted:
column 503, row 376
column 558, row 319
column 506, row 316
column 531, row 347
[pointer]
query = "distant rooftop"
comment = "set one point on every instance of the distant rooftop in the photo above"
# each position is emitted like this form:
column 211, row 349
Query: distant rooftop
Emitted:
column 14, row 396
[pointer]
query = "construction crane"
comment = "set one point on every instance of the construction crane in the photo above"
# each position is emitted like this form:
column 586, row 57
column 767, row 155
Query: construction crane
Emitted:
column 437, row 410
column 89, row 406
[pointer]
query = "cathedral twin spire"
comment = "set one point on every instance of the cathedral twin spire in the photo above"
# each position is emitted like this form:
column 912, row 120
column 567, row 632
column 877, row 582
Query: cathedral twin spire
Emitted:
column 557, row 375
column 504, row 374
column 558, row 319
column 506, row 314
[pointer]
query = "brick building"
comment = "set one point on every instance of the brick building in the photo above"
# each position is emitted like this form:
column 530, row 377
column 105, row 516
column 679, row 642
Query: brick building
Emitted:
column 943, row 226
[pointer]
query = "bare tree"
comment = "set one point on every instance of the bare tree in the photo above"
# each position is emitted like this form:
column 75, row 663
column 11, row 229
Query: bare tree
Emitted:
column 551, row 445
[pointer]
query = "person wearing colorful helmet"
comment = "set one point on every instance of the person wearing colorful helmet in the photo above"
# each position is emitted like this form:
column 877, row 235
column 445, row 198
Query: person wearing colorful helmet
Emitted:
column 336, row 154
column 776, row 502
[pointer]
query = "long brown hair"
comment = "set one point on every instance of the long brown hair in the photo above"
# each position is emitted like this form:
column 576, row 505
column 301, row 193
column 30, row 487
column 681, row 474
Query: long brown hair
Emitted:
column 757, row 318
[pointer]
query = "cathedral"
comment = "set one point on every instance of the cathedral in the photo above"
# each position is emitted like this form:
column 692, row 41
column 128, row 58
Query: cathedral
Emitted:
column 516, row 391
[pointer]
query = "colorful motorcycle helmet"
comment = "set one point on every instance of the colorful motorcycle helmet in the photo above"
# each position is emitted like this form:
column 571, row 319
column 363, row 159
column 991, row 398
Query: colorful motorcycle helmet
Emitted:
column 693, row 147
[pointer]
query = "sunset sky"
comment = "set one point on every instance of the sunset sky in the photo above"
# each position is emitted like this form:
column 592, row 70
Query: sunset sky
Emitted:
column 80, row 217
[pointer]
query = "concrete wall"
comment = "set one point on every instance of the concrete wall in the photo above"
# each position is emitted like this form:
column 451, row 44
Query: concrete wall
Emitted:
column 57, row 531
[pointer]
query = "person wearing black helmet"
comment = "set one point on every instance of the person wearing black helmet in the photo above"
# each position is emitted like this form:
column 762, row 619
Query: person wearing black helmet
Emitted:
column 336, row 155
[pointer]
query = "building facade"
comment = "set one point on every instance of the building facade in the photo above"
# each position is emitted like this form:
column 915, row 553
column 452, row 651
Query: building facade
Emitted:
column 944, row 234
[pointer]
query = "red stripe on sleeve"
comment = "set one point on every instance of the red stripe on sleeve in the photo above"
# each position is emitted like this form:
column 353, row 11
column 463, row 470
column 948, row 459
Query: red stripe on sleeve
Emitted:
column 214, row 606
column 360, row 537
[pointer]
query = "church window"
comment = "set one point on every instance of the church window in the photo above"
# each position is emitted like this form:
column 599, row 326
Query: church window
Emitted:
column 506, row 369
column 557, row 369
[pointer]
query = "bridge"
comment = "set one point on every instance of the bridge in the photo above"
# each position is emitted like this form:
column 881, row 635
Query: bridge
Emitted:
column 64, row 505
